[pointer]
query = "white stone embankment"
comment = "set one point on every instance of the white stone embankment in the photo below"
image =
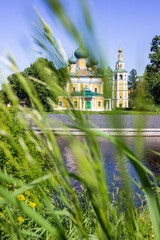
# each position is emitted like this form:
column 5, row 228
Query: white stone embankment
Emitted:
column 146, row 132
column 113, row 125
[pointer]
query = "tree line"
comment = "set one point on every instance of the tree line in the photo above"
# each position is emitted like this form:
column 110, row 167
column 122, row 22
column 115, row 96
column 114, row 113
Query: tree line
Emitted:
column 144, row 91
column 37, row 75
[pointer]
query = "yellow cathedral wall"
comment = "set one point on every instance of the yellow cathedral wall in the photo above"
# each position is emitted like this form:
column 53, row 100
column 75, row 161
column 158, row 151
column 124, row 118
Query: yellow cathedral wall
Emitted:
column 90, row 86
column 81, row 63
column 65, row 102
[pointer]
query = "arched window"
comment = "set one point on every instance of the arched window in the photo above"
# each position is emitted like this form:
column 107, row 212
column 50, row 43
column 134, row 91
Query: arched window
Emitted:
column 120, row 76
column 99, row 103
column 95, row 89
column 60, row 103
column 75, row 104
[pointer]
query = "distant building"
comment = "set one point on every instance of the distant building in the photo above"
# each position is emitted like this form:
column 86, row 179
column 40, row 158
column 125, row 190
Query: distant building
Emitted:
column 120, row 84
column 85, row 85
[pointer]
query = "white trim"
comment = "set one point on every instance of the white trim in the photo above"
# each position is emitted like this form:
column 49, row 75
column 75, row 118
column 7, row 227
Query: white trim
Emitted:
column 85, row 79
column 101, row 88
column 83, row 104
column 78, row 87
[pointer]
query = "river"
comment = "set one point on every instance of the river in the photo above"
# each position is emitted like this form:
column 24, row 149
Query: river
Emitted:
column 110, row 158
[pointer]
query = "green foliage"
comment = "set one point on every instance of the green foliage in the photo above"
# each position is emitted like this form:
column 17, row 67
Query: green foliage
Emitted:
column 107, row 76
column 38, row 75
column 155, row 52
column 152, row 72
column 132, row 83
column 13, row 142
column 53, row 209
column 132, row 79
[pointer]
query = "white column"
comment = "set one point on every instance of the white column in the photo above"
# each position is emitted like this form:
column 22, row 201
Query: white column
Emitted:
column 67, row 87
column 78, row 87
column 109, row 103
column 127, row 98
column 101, row 88
column 95, row 104
column 117, row 93
column 113, row 87
column 127, row 90
column 123, row 93
column 83, row 104
column 106, row 104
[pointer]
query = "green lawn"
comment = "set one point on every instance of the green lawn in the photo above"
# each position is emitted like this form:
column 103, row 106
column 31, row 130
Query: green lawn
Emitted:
column 114, row 112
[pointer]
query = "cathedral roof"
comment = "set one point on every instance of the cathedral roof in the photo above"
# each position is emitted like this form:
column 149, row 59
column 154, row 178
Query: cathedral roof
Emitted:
column 72, row 60
column 81, row 52
column 89, row 63
column 94, row 61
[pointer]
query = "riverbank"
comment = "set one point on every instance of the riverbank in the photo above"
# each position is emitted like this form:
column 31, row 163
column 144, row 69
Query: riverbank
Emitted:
column 113, row 112
column 114, row 125
column 108, row 121
column 128, row 132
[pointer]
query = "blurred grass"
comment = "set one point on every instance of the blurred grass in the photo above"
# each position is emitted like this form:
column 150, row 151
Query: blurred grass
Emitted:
column 37, row 198
column 113, row 112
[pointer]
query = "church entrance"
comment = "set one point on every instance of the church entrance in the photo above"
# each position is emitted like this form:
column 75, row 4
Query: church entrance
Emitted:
column 88, row 105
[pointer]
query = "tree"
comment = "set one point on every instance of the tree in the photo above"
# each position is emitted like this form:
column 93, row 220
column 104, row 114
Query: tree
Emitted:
column 132, row 79
column 152, row 72
column 39, row 71
column 107, row 75
column 132, row 83
column 17, row 88
column 155, row 52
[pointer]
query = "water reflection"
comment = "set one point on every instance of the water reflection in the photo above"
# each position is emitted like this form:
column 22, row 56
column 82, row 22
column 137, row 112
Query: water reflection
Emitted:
column 110, row 158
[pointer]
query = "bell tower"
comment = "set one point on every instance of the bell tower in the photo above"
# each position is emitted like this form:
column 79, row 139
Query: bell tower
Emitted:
column 120, row 84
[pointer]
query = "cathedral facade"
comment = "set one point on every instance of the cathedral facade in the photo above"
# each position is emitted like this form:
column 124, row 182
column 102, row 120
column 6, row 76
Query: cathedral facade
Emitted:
column 85, row 85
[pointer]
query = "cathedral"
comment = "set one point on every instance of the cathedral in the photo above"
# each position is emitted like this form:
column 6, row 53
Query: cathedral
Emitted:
column 85, row 85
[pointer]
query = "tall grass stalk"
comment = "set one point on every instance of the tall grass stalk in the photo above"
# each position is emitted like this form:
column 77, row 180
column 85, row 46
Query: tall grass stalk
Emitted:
column 38, row 200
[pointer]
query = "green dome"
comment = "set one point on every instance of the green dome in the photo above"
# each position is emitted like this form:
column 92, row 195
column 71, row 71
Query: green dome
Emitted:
column 81, row 52
column 89, row 63
column 94, row 61
column 72, row 60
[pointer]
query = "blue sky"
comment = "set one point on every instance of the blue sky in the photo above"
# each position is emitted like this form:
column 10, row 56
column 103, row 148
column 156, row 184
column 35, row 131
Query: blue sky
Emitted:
column 134, row 23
